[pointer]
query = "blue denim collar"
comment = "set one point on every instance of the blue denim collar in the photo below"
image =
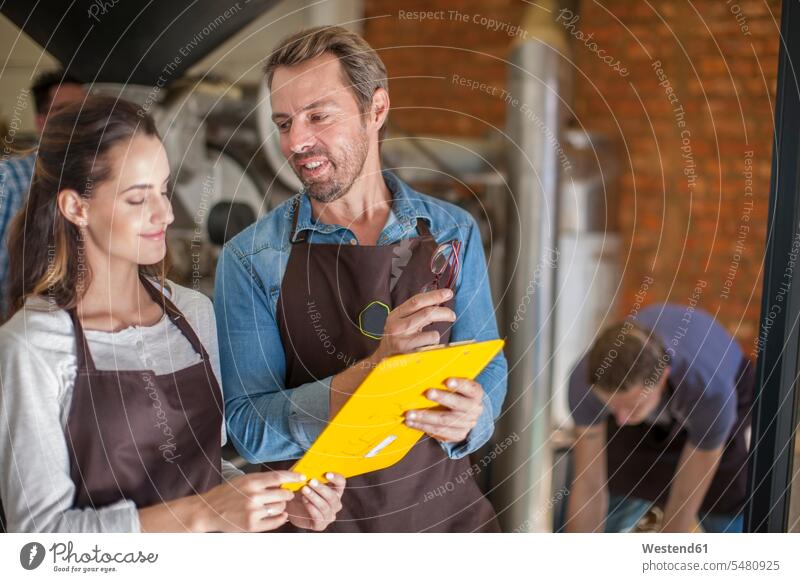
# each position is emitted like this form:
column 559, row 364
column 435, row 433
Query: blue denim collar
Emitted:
column 407, row 208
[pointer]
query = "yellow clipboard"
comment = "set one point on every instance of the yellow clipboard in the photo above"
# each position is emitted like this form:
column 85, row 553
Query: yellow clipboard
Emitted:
column 368, row 433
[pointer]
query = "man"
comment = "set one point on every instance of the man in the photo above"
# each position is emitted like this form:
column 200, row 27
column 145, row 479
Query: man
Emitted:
column 51, row 90
column 315, row 294
column 661, row 406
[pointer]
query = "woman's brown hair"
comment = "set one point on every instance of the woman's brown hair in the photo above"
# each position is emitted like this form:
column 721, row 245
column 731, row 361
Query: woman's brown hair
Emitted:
column 45, row 250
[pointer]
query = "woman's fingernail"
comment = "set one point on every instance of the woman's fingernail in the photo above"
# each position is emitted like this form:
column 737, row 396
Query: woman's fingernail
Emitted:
column 314, row 482
column 452, row 383
column 329, row 476
column 433, row 394
column 411, row 415
column 302, row 477
column 306, row 490
column 448, row 293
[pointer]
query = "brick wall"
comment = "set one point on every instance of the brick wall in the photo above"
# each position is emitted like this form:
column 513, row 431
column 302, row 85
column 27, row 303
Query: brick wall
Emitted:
column 688, row 217
column 422, row 55
column 703, row 228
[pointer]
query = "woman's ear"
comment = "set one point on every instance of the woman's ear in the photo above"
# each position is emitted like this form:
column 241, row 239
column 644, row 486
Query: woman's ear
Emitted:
column 74, row 207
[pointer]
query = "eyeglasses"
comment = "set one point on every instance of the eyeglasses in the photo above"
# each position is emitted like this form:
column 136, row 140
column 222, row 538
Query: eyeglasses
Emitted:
column 445, row 266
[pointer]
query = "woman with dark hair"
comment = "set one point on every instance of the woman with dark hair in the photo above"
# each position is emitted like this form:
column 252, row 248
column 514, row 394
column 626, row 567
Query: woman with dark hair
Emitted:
column 110, row 410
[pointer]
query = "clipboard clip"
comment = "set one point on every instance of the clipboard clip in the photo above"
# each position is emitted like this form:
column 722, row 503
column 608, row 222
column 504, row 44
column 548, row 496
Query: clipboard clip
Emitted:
column 440, row 346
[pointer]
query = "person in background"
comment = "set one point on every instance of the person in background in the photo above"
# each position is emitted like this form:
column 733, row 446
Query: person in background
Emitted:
column 51, row 90
column 355, row 268
column 661, row 405
column 110, row 408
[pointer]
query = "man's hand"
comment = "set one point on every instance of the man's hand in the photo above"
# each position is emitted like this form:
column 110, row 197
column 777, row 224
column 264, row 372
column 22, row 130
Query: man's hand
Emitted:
column 403, row 333
column 457, row 415
column 315, row 506
column 696, row 470
column 587, row 504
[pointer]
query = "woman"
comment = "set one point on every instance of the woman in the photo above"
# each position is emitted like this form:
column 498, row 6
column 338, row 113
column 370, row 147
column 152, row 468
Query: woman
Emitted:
column 110, row 410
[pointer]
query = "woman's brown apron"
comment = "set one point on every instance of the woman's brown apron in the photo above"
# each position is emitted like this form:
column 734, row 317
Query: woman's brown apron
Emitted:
column 143, row 437
column 642, row 459
column 333, row 299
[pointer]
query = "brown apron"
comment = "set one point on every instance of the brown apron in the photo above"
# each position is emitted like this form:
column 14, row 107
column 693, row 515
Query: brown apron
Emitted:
column 642, row 459
column 143, row 437
column 329, row 309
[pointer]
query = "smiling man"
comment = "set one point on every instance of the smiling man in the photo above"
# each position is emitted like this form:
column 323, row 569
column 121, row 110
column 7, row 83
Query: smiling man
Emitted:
column 310, row 298
column 661, row 406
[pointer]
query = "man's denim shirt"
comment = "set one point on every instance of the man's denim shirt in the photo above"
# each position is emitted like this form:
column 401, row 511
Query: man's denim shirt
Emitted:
column 267, row 422
column 15, row 181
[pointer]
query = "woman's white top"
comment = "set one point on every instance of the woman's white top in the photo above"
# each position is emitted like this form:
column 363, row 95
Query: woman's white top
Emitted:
column 38, row 365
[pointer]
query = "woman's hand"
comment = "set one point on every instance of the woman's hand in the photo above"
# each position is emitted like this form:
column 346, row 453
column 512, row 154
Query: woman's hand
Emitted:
column 250, row 503
column 315, row 506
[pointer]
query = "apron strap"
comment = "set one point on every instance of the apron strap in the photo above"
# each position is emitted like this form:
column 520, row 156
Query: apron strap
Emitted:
column 175, row 316
column 85, row 360
column 295, row 211
column 84, row 355
column 422, row 228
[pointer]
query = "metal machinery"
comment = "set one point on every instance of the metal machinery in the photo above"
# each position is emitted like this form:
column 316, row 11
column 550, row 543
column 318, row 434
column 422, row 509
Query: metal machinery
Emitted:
column 141, row 53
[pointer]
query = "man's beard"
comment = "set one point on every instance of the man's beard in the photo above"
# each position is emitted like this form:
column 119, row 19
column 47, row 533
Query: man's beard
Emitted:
column 346, row 167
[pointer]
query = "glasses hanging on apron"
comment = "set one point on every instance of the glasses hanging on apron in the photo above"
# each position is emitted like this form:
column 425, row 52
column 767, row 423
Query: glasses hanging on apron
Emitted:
column 445, row 266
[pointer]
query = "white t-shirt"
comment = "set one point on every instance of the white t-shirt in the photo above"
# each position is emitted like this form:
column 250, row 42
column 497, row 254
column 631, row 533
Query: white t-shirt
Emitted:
column 38, row 365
